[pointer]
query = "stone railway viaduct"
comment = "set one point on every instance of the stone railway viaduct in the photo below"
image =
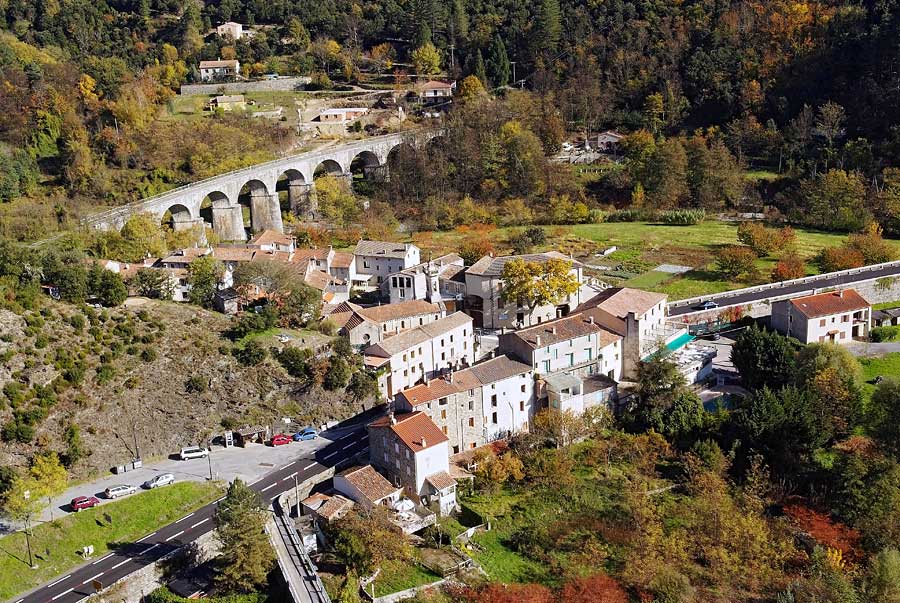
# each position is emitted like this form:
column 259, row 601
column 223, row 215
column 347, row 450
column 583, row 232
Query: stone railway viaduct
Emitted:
column 215, row 201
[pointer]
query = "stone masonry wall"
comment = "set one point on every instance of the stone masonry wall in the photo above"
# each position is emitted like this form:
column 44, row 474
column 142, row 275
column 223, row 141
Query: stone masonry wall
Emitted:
column 281, row 84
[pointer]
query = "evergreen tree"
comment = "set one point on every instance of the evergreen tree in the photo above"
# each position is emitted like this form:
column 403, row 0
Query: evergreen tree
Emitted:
column 549, row 27
column 498, row 64
column 479, row 70
column 764, row 358
column 246, row 557
column 460, row 20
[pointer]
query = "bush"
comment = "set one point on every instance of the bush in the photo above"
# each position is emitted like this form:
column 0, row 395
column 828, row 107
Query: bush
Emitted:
column 77, row 322
column 105, row 373
column 682, row 217
column 788, row 268
column 834, row 259
column 628, row 215
column 251, row 354
column 735, row 260
column 148, row 354
column 879, row 334
column 196, row 384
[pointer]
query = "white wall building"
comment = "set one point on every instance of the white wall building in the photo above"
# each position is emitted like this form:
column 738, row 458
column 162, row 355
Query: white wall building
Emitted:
column 836, row 316
column 213, row 71
column 375, row 260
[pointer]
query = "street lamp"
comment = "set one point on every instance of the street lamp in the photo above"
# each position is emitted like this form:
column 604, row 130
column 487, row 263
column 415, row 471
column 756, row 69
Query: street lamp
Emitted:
column 31, row 563
column 209, row 462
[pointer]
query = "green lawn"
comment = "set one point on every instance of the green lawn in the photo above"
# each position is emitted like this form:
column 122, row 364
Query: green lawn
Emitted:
column 501, row 562
column 397, row 575
column 650, row 279
column 129, row 519
column 886, row 305
column 303, row 338
column 887, row 366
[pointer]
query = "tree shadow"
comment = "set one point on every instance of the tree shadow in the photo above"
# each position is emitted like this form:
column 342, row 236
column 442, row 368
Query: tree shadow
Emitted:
column 9, row 552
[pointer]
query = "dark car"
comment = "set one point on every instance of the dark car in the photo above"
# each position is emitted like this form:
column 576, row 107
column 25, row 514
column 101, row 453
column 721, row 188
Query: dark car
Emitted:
column 708, row 305
column 84, row 502
column 307, row 433
column 280, row 440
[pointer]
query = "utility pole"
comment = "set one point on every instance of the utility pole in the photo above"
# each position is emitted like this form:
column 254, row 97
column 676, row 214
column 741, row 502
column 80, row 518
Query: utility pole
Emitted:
column 31, row 563
column 515, row 81
column 296, row 496
column 209, row 461
column 137, row 452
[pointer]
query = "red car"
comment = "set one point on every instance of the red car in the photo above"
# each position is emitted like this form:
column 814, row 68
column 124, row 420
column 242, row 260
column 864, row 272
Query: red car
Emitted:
column 280, row 439
column 83, row 502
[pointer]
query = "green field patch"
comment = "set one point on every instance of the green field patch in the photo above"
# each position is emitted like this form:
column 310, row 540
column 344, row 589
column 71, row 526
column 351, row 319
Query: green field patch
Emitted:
column 649, row 280
column 56, row 544
column 401, row 575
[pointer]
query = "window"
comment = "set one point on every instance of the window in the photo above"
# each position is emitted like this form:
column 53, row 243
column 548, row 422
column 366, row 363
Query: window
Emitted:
column 402, row 294
column 365, row 263
column 522, row 405
column 471, row 392
column 494, row 400
column 402, row 324
column 822, row 323
column 456, row 450
column 471, row 421
column 845, row 318
column 442, row 402
column 471, row 406
column 445, row 430
column 406, row 372
column 444, row 414
column 421, row 321
column 412, row 354
column 404, row 357
column 494, row 418
column 523, row 388
column 443, row 356
column 571, row 359
column 442, row 342
column 843, row 335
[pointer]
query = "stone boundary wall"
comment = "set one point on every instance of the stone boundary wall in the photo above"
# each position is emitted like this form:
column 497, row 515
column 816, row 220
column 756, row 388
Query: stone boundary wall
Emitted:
column 134, row 586
column 280, row 85
column 409, row 593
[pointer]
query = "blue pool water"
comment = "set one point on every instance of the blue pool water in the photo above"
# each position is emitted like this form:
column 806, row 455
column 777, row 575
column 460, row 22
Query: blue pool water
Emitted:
column 680, row 341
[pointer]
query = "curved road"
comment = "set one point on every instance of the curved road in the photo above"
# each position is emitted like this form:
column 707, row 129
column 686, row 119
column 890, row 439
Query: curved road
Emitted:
column 77, row 585
column 734, row 298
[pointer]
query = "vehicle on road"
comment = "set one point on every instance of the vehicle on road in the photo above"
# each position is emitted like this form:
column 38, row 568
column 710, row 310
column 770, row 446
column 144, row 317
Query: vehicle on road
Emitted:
column 193, row 452
column 708, row 305
column 163, row 479
column 279, row 440
column 307, row 433
column 120, row 490
column 83, row 502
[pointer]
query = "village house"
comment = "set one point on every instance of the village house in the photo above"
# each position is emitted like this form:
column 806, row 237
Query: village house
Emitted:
column 340, row 115
column 232, row 29
column 326, row 508
column 414, row 453
column 484, row 287
column 576, row 345
column 608, row 142
column 375, row 260
column 234, row 102
column 343, row 266
column 639, row 317
column 836, row 317
column 367, row 325
column 366, row 487
column 491, row 400
column 219, row 70
column 410, row 357
column 423, row 281
column 272, row 240
column 433, row 91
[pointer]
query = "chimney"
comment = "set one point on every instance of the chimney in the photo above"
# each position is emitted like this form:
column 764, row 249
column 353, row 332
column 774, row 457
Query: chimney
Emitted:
column 537, row 341
column 590, row 320
column 840, row 293
column 450, row 377
column 553, row 330
column 393, row 418
column 423, row 442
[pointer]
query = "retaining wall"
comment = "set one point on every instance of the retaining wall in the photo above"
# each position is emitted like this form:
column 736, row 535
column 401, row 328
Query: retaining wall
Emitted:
column 281, row 84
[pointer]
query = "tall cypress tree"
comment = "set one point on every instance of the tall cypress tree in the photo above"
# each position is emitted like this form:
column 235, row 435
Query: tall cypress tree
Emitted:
column 479, row 71
column 549, row 29
column 498, row 63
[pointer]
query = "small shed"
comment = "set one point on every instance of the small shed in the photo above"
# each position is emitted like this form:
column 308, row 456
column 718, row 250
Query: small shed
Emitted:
column 255, row 434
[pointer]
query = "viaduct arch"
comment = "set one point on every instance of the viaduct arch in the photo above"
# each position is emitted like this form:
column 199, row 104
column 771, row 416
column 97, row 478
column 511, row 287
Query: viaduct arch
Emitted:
column 216, row 201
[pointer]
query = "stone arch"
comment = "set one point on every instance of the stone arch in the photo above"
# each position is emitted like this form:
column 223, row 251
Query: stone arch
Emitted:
column 178, row 217
column 434, row 143
column 365, row 168
column 328, row 167
column 292, row 188
column 259, row 206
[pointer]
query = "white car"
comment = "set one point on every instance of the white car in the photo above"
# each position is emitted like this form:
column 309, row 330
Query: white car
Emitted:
column 120, row 490
column 193, row 452
column 164, row 479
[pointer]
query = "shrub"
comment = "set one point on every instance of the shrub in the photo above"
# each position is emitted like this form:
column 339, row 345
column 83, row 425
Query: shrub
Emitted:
column 833, row 259
column 148, row 354
column 327, row 327
column 682, row 217
column 196, row 383
column 789, row 267
column 77, row 322
column 879, row 334
column 735, row 260
column 628, row 215
column 105, row 373
column 251, row 354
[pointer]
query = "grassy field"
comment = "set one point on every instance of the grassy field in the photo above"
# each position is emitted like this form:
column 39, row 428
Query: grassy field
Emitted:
column 396, row 576
column 642, row 246
column 887, row 365
column 56, row 544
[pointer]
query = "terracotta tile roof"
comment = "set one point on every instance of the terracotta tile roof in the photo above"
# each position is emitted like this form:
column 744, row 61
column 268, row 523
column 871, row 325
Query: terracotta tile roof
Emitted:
column 415, row 429
column 335, row 507
column 497, row 369
column 318, row 279
column 826, row 304
column 608, row 338
column 315, row 501
column 406, row 309
column 234, row 254
column 369, row 482
column 433, row 390
column 304, row 255
column 186, row 256
column 558, row 330
column 619, row 301
column 383, row 249
column 436, row 85
column 484, row 373
column 441, row 480
column 407, row 339
column 219, row 63
column 342, row 259
column 493, row 266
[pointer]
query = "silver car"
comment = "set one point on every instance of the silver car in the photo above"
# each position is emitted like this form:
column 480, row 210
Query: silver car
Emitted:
column 163, row 479
column 193, row 452
column 119, row 490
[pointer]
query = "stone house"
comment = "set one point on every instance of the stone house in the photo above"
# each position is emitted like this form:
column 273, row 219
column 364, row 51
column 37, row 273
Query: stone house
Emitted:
column 375, row 260
column 836, row 317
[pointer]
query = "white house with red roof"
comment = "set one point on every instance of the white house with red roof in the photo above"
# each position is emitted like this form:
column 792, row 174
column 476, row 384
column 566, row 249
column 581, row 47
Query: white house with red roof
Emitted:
column 414, row 453
column 836, row 317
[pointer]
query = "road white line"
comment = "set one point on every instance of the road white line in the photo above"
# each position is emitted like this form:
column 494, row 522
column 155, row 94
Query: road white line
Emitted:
column 145, row 537
column 20, row 600
column 288, row 465
column 149, row 548
column 364, row 449
column 173, row 536
column 331, row 455
column 92, row 578
column 350, row 445
column 291, row 476
column 119, row 564
column 349, row 435
column 65, row 592
column 198, row 523
column 102, row 559
column 218, row 500
column 185, row 517
column 308, row 466
column 60, row 580
column 267, row 487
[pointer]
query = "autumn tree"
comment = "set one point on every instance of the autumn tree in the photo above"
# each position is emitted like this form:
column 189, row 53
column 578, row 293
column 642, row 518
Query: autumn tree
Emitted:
column 736, row 260
column 789, row 267
column 426, row 59
column 533, row 284
column 204, row 275
column 337, row 201
column 835, row 200
column 247, row 557
column 471, row 87
column 597, row 588
column 364, row 542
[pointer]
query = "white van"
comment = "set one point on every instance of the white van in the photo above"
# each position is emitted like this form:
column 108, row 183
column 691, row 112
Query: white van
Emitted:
column 193, row 452
column 120, row 490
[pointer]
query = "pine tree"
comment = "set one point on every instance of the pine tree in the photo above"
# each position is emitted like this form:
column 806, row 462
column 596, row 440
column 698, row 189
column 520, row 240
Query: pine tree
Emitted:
column 460, row 20
column 498, row 64
column 549, row 29
column 247, row 557
column 479, row 70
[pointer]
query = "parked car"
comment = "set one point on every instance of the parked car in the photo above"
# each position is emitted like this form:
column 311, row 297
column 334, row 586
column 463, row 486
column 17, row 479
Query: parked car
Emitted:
column 120, row 490
column 279, row 440
column 83, row 502
column 163, row 479
column 708, row 305
column 193, row 452
column 307, row 433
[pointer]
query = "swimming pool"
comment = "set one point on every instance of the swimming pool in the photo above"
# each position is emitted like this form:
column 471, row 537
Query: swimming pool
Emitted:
column 680, row 341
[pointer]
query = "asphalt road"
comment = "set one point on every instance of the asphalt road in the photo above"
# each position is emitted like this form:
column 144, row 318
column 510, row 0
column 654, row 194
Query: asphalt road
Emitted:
column 735, row 298
column 127, row 558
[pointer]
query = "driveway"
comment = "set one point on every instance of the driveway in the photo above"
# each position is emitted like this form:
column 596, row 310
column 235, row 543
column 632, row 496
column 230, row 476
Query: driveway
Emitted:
column 249, row 464
column 866, row 349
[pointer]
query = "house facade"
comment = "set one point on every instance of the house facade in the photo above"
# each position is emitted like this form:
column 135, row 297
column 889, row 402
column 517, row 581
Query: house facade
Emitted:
column 220, row 70
column 484, row 288
column 368, row 325
column 421, row 353
column 414, row 454
column 491, row 400
column 367, row 488
column 376, row 260
column 836, row 317
column 423, row 281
